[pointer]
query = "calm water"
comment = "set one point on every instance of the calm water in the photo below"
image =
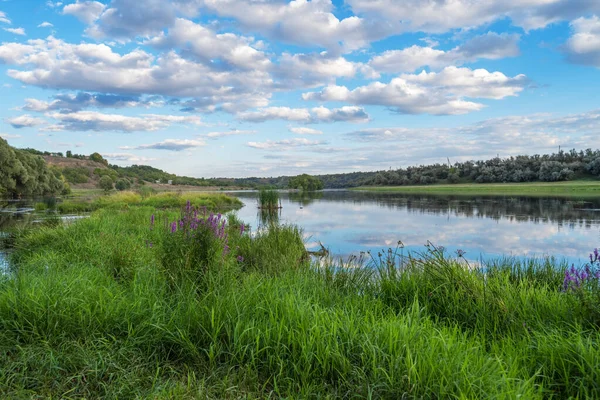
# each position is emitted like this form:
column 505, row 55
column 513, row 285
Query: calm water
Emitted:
column 348, row 222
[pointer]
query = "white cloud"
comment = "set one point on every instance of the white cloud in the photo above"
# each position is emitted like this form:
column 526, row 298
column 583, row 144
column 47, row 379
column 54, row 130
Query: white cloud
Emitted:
column 24, row 121
column 127, row 157
column 82, row 100
column 168, row 144
column 232, row 132
column 315, row 115
column 490, row 46
column 45, row 25
column 205, row 45
column 9, row 136
column 285, row 144
column 584, row 46
column 4, row 18
column 346, row 113
column 309, row 23
column 443, row 16
column 52, row 63
column 95, row 121
column 16, row 31
column 85, row 11
column 285, row 113
column 305, row 131
column 433, row 93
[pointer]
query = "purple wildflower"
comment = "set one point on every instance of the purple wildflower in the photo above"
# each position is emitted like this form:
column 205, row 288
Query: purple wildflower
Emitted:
column 240, row 258
column 173, row 227
column 242, row 229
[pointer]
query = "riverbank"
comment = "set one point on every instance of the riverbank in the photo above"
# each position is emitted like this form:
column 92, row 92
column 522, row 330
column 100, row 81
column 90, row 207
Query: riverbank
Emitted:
column 580, row 189
column 121, row 304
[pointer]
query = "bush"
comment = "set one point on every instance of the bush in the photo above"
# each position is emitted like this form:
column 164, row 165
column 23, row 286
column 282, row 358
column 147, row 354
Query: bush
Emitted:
column 122, row 184
column 105, row 183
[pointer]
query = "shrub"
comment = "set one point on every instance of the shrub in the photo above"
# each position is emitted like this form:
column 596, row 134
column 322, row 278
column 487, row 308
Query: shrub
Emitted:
column 105, row 183
column 122, row 184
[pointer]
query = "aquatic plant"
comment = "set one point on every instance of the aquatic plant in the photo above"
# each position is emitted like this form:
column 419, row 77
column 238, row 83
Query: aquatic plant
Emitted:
column 268, row 199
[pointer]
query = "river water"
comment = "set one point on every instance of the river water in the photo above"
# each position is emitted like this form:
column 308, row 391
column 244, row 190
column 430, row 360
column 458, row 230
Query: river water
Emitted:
column 486, row 228
column 348, row 222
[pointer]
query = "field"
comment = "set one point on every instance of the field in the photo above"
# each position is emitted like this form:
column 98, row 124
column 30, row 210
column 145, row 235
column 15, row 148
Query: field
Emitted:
column 571, row 189
column 137, row 302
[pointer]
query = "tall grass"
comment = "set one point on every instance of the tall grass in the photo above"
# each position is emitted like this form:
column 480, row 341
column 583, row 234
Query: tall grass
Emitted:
column 92, row 312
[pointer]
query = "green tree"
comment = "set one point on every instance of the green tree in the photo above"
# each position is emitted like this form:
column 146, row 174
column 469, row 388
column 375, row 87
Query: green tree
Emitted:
column 69, row 154
column 98, row 158
column 305, row 182
column 105, row 183
column 24, row 173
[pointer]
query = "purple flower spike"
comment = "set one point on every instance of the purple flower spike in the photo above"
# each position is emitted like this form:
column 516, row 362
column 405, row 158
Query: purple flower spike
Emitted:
column 240, row 258
column 173, row 227
column 242, row 229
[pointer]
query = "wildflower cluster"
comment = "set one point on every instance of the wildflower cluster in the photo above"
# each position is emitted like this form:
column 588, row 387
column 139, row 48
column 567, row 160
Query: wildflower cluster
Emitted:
column 586, row 277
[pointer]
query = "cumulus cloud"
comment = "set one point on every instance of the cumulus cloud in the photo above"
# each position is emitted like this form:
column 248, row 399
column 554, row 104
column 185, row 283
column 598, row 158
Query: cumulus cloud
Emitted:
column 82, row 100
column 437, row 93
column 285, row 144
column 16, row 31
column 52, row 63
column 584, row 46
column 4, row 18
column 489, row 46
column 85, row 11
column 302, row 22
column 315, row 115
column 168, row 144
column 95, row 121
column 205, row 45
column 24, row 121
column 443, row 16
column 305, row 131
column 269, row 113
column 232, row 132
column 45, row 24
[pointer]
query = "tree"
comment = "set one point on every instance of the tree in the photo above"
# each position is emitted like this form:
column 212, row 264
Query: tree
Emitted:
column 105, row 183
column 305, row 182
column 69, row 154
column 97, row 157
column 25, row 173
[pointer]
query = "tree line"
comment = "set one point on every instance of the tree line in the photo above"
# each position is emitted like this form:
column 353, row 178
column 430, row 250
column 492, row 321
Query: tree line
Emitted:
column 560, row 166
column 25, row 174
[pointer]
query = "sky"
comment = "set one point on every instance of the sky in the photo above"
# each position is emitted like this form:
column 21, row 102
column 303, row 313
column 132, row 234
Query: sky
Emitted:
column 237, row 88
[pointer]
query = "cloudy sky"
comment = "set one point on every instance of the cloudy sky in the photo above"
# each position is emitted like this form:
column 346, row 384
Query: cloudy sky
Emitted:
column 272, row 87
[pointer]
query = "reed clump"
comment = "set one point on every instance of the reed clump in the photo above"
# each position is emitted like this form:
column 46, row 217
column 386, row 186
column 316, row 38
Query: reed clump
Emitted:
column 268, row 199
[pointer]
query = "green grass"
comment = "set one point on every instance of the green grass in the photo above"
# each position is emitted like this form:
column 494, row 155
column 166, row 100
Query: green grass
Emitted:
column 91, row 313
column 164, row 200
column 571, row 189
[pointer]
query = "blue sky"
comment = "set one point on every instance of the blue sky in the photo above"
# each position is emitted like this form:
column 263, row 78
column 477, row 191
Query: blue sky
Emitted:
column 274, row 87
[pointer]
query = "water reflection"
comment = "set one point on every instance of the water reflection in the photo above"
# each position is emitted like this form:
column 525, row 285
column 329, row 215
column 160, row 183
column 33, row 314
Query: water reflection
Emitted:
column 485, row 227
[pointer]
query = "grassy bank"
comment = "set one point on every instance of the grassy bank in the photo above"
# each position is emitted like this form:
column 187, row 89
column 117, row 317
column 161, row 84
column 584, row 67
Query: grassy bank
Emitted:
column 125, row 304
column 570, row 189
column 95, row 201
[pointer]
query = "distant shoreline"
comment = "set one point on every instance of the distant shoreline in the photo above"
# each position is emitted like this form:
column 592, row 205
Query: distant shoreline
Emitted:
column 569, row 189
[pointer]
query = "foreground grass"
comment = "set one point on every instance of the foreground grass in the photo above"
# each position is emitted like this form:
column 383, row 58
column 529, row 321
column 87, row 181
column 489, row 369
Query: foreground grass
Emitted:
column 571, row 189
column 91, row 312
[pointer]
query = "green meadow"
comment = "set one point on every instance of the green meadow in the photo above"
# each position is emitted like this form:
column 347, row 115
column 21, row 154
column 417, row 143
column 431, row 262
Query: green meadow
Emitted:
column 160, row 298
column 570, row 188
